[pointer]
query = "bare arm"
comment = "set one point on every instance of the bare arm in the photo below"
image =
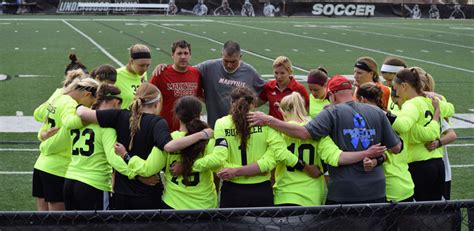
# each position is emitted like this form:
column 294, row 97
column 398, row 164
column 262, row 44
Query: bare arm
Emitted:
column 374, row 151
column 158, row 69
column 86, row 114
column 396, row 149
column 253, row 169
column 183, row 142
column 293, row 130
column 448, row 137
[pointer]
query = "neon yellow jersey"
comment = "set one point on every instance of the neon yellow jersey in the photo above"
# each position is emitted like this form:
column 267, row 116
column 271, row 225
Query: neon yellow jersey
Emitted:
column 56, row 150
column 199, row 193
column 41, row 112
column 265, row 147
column 128, row 84
column 415, row 120
column 398, row 182
column 296, row 187
column 316, row 105
column 93, row 156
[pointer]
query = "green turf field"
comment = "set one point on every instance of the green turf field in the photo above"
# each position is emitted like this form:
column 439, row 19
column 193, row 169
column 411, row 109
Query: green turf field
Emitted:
column 40, row 45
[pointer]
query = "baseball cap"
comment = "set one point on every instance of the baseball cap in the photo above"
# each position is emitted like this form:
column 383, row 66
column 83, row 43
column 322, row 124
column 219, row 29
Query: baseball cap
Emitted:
column 337, row 83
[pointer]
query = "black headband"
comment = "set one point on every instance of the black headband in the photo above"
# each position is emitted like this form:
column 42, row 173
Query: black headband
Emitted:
column 92, row 90
column 363, row 66
column 141, row 55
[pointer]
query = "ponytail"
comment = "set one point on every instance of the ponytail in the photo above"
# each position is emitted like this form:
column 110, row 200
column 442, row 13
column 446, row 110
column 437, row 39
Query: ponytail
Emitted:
column 147, row 94
column 242, row 100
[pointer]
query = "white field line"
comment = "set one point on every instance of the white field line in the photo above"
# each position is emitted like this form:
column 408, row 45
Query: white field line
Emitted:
column 15, row 173
column 352, row 46
column 427, row 30
column 19, row 150
column 462, row 166
column 220, row 43
column 95, row 43
column 405, row 37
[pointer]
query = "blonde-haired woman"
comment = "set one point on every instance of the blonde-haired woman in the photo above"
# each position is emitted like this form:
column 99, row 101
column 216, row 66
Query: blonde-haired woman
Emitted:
column 41, row 111
column 283, row 85
column 295, row 187
column 139, row 130
column 130, row 77
column 50, row 168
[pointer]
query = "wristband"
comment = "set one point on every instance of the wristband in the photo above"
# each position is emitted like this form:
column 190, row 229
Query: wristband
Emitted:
column 79, row 106
column 300, row 165
column 126, row 157
column 380, row 160
column 439, row 143
column 207, row 135
column 391, row 117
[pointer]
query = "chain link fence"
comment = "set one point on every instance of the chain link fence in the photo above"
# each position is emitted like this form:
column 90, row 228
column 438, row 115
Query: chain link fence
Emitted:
column 445, row 215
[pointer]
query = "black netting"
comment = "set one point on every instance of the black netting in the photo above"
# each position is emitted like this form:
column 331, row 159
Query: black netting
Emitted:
column 452, row 215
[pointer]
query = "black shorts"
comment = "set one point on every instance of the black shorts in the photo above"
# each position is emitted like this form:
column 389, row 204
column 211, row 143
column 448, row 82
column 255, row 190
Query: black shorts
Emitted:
column 81, row 196
column 246, row 195
column 429, row 179
column 48, row 186
column 127, row 202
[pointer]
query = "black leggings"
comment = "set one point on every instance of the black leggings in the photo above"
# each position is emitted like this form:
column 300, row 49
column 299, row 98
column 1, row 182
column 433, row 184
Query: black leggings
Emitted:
column 428, row 177
column 246, row 195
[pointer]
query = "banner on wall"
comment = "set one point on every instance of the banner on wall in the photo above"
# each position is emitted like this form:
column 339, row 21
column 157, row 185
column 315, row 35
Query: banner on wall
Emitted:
column 287, row 8
column 443, row 9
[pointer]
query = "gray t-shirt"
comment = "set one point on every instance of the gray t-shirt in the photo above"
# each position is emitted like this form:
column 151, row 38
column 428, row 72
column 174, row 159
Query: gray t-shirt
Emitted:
column 354, row 126
column 218, row 84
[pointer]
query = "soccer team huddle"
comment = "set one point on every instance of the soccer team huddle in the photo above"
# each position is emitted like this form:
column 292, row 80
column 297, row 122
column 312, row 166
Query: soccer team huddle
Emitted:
column 116, row 139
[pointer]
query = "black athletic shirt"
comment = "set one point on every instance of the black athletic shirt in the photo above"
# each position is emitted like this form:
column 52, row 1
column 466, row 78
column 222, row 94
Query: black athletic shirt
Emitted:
column 153, row 132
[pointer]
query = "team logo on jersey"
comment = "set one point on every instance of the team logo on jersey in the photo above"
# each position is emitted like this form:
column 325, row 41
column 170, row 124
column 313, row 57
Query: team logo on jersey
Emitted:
column 360, row 134
column 221, row 142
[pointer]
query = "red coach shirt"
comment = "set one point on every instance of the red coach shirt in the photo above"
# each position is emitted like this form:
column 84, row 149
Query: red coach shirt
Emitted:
column 173, row 85
column 273, row 94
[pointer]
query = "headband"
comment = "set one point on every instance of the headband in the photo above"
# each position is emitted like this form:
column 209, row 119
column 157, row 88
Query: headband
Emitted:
column 363, row 66
column 391, row 68
column 110, row 94
column 141, row 55
column 92, row 90
column 157, row 98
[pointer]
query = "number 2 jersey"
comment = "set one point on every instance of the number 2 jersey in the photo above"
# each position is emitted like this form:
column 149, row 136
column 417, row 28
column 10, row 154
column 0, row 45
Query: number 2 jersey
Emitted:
column 56, row 150
column 419, row 111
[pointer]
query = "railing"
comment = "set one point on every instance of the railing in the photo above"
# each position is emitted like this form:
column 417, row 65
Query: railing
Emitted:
column 441, row 215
